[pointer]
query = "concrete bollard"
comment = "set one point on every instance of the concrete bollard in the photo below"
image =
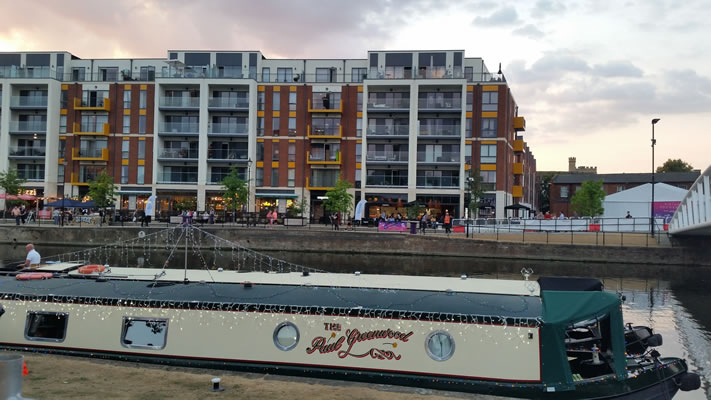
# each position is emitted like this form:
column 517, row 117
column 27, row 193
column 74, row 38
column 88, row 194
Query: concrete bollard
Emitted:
column 11, row 376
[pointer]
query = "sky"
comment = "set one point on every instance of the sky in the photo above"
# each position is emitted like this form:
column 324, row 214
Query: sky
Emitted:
column 588, row 76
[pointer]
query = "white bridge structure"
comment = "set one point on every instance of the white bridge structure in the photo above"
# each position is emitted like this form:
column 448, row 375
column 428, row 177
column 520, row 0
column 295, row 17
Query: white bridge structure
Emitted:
column 693, row 216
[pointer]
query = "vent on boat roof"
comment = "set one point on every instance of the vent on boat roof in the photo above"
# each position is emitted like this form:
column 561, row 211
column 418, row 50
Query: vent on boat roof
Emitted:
column 570, row 284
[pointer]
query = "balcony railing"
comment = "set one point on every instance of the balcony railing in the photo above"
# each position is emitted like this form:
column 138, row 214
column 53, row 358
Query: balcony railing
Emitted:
column 91, row 129
column 92, row 105
column 215, row 178
column 394, row 156
column 324, row 131
column 179, row 128
column 320, row 183
column 28, row 127
column 228, row 103
column 179, row 102
column 384, row 180
column 223, row 128
column 28, row 102
column 32, row 176
column 83, row 178
column 90, row 154
column 320, row 107
column 228, row 155
column 27, row 151
column 178, row 177
column 454, row 130
column 444, row 157
column 454, row 104
column 389, row 105
column 181, row 154
column 321, row 158
column 437, row 181
column 389, row 130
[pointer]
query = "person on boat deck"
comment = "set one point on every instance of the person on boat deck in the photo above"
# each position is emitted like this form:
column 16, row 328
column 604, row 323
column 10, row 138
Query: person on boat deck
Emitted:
column 33, row 257
column 628, row 215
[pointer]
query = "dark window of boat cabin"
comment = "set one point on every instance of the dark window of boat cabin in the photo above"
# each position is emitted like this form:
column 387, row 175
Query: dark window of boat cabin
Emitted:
column 144, row 333
column 580, row 338
column 46, row 326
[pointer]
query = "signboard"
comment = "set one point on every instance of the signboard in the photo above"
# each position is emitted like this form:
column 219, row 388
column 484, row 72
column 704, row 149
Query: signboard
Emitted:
column 386, row 226
column 664, row 209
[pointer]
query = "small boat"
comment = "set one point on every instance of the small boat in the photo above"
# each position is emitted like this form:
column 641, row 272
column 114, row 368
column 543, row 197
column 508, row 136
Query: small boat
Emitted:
column 554, row 338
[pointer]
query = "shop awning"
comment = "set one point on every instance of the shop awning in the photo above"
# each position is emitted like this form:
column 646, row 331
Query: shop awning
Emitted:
column 134, row 192
column 277, row 195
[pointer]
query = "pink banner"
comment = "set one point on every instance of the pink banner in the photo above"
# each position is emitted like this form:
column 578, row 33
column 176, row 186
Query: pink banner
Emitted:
column 392, row 226
column 664, row 209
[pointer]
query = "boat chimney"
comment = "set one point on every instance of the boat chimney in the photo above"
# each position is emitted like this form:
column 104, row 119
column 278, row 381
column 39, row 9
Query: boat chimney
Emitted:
column 216, row 385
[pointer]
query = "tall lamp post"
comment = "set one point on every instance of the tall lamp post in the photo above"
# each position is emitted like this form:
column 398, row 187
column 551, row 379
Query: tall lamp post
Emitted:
column 651, row 208
column 64, row 192
column 249, row 170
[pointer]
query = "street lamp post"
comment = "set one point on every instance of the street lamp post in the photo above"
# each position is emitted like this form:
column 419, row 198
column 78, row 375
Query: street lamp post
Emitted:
column 249, row 170
column 651, row 212
column 64, row 192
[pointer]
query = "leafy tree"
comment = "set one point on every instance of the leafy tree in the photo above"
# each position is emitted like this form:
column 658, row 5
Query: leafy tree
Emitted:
column 296, row 208
column 12, row 183
column 544, row 201
column 338, row 198
column 103, row 191
column 186, row 205
column 414, row 211
column 677, row 165
column 475, row 187
column 587, row 200
column 236, row 191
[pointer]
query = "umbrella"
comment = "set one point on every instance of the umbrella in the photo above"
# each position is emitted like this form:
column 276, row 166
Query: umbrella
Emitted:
column 517, row 207
column 64, row 203
column 26, row 197
column 6, row 196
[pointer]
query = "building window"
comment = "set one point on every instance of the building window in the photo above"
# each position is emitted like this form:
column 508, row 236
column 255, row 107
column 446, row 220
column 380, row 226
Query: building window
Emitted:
column 141, row 124
column 260, row 151
column 359, row 102
column 46, row 326
column 266, row 74
column 275, row 177
column 469, row 132
column 62, row 147
column 358, row 174
column 260, row 126
column 143, row 100
column 291, row 174
column 286, row 336
column 140, row 175
column 148, row 73
column 260, row 101
column 468, row 154
column 60, row 173
column 563, row 192
column 144, row 333
column 124, row 149
column 488, row 154
column 124, row 174
column 275, row 126
column 359, row 127
column 126, row 124
column 469, row 73
column 292, row 152
column 284, row 75
column 63, row 99
column 358, row 74
column 141, row 149
column 292, row 101
column 325, row 74
column 490, row 101
column 126, row 99
column 470, row 101
column 259, row 177
column 488, row 180
column 292, row 126
column 276, row 101
column 488, row 127
column 359, row 152
column 275, row 151
column 620, row 188
column 62, row 124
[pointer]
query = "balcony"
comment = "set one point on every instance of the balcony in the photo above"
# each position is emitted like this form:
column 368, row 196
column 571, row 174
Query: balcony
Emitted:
column 438, row 132
column 179, row 103
column 189, row 178
column 389, row 130
column 518, row 168
column 92, row 105
column 178, row 129
column 227, row 129
column 321, row 184
column 424, row 157
column 31, row 176
column 91, row 129
column 228, row 104
column 389, row 106
column 437, row 181
column 331, row 107
column 517, row 191
column 519, row 124
column 518, row 145
column 28, row 102
column 178, row 154
column 387, row 157
column 82, row 179
column 238, row 155
column 322, row 132
column 385, row 180
column 440, row 106
column 28, row 127
column 27, row 152
column 79, row 154
column 325, row 159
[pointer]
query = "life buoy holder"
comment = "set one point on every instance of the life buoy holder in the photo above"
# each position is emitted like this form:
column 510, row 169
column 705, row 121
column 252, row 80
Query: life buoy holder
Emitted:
column 90, row 269
column 33, row 275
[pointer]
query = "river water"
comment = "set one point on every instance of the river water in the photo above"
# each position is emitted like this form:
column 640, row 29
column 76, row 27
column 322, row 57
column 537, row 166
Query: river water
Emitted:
column 671, row 300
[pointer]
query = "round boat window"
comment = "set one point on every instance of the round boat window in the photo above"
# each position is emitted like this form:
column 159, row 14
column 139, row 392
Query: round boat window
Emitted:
column 439, row 345
column 286, row 336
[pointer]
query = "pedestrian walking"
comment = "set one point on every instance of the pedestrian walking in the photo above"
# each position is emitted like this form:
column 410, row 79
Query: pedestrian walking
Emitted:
column 447, row 222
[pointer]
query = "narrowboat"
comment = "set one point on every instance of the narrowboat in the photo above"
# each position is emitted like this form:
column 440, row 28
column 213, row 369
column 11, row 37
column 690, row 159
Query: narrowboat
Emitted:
column 553, row 338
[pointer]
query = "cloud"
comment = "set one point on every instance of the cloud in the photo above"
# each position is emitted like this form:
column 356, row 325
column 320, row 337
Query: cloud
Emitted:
column 529, row 31
column 545, row 8
column 503, row 16
column 617, row 68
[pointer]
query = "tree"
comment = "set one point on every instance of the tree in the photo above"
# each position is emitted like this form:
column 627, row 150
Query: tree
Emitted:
column 476, row 192
column 544, row 202
column 297, row 207
column 186, row 205
column 677, row 165
column 414, row 211
column 236, row 192
column 587, row 200
column 338, row 198
column 12, row 184
column 103, row 191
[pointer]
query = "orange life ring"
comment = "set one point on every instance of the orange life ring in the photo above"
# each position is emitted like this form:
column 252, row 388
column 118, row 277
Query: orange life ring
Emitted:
column 90, row 269
column 33, row 275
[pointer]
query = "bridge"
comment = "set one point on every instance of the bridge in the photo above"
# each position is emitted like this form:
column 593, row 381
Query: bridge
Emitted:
column 693, row 216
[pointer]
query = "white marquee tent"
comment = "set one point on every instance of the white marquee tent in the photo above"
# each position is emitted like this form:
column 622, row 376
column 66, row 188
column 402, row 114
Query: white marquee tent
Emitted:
column 637, row 200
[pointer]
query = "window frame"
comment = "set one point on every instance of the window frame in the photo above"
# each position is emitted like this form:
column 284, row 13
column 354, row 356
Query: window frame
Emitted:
column 41, row 339
column 144, row 319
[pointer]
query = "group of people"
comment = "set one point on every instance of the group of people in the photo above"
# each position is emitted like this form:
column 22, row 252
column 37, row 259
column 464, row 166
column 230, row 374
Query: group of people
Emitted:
column 548, row 215
column 22, row 214
column 427, row 219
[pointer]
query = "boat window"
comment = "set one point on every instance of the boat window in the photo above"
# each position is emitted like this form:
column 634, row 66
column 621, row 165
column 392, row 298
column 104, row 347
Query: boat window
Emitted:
column 46, row 326
column 144, row 333
column 439, row 345
column 588, row 345
column 286, row 336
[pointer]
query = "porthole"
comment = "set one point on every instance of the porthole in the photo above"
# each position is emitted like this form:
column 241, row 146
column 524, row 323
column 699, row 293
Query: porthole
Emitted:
column 439, row 345
column 286, row 336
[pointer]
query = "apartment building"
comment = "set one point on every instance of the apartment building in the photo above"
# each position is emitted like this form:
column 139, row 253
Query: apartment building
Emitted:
column 401, row 126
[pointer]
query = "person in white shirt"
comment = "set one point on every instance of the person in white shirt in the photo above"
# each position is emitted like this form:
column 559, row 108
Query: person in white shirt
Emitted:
column 561, row 216
column 33, row 257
